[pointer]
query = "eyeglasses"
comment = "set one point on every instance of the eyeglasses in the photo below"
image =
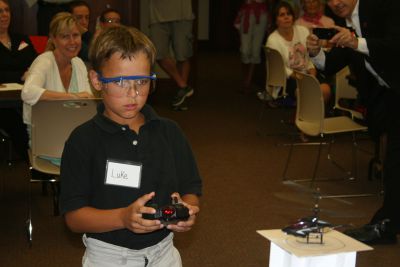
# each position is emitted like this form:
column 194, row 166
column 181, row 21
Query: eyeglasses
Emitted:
column 311, row 1
column 4, row 10
column 112, row 20
column 119, row 86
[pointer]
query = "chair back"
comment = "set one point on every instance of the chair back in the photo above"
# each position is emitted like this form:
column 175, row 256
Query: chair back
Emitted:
column 345, row 91
column 343, row 88
column 53, row 121
column 39, row 42
column 310, row 111
column 276, row 73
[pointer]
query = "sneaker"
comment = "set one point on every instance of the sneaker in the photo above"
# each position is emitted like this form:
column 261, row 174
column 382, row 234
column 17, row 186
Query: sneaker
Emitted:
column 182, row 107
column 181, row 95
column 263, row 96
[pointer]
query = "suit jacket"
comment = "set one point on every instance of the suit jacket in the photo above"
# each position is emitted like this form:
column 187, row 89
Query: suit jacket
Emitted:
column 379, row 22
column 16, row 61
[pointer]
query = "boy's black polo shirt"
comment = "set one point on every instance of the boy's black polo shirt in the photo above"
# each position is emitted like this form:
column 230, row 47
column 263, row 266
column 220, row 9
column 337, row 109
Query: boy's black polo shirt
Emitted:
column 168, row 166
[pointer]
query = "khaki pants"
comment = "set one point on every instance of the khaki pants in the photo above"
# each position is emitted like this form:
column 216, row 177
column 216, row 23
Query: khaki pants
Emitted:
column 102, row 254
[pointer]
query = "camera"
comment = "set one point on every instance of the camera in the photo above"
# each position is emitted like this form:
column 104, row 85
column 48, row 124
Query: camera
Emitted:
column 325, row 33
column 169, row 214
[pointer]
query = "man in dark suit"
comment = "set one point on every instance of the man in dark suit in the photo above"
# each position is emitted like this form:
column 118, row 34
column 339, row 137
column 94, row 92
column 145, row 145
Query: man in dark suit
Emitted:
column 372, row 52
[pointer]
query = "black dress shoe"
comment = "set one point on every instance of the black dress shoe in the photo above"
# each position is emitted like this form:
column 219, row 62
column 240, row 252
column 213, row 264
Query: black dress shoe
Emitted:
column 373, row 234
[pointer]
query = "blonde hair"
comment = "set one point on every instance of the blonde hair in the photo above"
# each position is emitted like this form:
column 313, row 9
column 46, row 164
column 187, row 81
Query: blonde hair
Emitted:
column 61, row 22
column 127, row 41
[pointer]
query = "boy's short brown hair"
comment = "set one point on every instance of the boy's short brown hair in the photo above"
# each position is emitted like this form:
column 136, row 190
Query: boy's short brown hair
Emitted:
column 125, row 40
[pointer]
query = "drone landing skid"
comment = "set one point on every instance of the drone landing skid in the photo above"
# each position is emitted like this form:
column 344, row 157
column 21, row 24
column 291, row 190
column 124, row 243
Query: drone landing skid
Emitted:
column 313, row 238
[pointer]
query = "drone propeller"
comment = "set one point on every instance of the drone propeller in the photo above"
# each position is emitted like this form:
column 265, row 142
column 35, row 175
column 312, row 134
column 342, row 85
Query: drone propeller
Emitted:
column 309, row 199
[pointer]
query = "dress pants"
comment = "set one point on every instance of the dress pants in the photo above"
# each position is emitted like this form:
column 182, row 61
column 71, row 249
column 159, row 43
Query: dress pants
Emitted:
column 384, row 118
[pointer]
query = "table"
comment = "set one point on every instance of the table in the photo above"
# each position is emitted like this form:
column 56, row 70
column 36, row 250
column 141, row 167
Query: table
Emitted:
column 288, row 251
column 10, row 95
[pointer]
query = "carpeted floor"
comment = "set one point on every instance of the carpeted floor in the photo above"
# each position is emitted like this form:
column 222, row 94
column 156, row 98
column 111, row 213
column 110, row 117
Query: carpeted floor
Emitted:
column 241, row 162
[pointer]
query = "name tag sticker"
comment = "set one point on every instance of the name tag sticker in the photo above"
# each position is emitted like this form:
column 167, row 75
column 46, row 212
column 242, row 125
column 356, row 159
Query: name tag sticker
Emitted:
column 126, row 174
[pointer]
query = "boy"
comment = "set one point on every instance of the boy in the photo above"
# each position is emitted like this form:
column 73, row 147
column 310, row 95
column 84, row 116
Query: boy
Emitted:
column 124, row 157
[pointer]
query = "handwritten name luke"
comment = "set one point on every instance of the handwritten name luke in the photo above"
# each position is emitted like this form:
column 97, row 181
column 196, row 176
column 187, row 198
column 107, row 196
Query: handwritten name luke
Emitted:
column 119, row 174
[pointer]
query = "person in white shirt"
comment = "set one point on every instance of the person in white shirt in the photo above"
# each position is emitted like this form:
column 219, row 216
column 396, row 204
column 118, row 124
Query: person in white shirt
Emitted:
column 57, row 73
column 290, row 41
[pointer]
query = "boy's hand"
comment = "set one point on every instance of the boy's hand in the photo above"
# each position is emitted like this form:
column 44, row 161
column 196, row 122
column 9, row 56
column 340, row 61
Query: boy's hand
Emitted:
column 184, row 226
column 132, row 216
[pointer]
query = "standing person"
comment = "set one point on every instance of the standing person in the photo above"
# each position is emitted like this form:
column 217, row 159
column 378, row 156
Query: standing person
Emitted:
column 57, row 73
column 16, row 53
column 171, row 25
column 372, row 54
column 81, row 11
column 128, row 137
column 251, row 22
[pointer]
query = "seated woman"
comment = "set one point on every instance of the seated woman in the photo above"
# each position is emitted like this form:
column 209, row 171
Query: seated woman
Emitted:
column 16, row 54
column 313, row 15
column 16, row 50
column 57, row 73
column 290, row 41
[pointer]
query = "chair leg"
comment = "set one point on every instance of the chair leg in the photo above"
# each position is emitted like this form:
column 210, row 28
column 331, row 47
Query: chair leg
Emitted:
column 56, row 192
column 260, row 117
column 10, row 152
column 5, row 139
column 316, row 165
column 29, row 226
column 350, row 173
column 284, row 175
column 354, row 155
